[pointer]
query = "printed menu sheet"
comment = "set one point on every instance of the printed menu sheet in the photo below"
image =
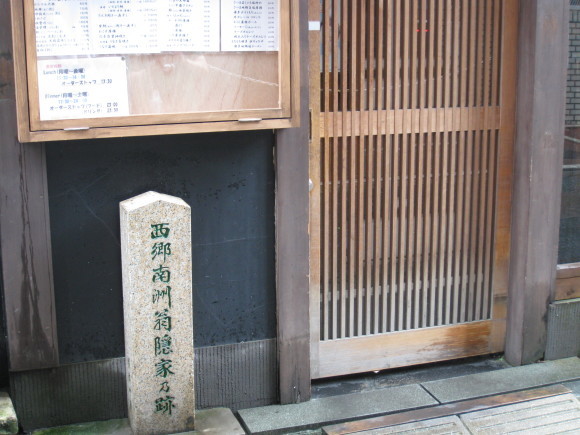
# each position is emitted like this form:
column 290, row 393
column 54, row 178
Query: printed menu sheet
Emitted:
column 82, row 88
column 124, row 26
column 191, row 25
column 115, row 27
column 249, row 25
column 62, row 27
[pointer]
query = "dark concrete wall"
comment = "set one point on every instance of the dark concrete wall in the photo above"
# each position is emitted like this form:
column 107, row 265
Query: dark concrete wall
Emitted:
column 226, row 178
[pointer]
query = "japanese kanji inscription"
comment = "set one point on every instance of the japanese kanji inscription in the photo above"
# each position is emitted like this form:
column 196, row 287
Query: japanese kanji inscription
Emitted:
column 157, row 301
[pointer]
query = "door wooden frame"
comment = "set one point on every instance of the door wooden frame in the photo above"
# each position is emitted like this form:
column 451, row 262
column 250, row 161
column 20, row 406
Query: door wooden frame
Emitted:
column 527, row 302
column 541, row 89
column 538, row 69
column 292, row 241
column 25, row 241
column 332, row 357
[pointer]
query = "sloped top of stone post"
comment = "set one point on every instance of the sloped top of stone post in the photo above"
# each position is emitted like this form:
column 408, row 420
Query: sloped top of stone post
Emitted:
column 149, row 198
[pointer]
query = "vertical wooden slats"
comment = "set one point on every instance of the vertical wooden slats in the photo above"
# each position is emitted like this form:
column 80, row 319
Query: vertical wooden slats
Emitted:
column 325, row 157
column 345, row 184
column 407, row 218
column 361, row 165
column 353, row 290
column 403, row 198
column 419, row 280
column 410, row 281
column 427, row 277
column 395, row 204
column 379, row 59
column 473, row 301
column 387, row 192
column 436, row 266
column 370, row 168
column 335, row 168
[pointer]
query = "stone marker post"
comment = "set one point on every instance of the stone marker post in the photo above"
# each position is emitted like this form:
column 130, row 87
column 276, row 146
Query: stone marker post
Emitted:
column 156, row 257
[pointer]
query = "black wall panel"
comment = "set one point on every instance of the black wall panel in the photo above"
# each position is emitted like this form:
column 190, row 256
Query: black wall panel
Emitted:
column 226, row 178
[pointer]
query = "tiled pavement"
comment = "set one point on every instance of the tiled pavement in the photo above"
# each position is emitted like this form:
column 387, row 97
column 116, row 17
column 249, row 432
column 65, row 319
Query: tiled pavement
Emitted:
column 365, row 402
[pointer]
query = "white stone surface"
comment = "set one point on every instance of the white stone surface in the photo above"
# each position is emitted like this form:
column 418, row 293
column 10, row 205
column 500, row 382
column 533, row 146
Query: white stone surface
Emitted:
column 157, row 302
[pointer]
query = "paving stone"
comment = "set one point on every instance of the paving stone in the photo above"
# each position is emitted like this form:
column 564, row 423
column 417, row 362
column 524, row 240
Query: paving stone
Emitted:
column 435, row 426
column 8, row 421
column 216, row 421
column 543, row 416
column 407, row 376
column 319, row 412
column 503, row 381
column 114, row 427
column 574, row 386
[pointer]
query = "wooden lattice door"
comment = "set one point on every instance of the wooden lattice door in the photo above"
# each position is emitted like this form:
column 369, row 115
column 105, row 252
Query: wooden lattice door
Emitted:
column 412, row 107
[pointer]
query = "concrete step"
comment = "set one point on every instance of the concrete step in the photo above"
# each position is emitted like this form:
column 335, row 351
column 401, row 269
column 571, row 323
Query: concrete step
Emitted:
column 8, row 420
column 216, row 421
column 503, row 381
column 316, row 413
column 326, row 411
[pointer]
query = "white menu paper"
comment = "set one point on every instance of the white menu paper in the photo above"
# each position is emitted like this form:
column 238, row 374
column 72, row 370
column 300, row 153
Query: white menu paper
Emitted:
column 62, row 27
column 191, row 25
column 115, row 27
column 124, row 26
column 82, row 88
column 249, row 25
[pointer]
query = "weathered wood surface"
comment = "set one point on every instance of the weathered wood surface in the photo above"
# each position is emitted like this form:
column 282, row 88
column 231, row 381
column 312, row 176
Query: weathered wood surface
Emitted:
column 413, row 107
column 567, row 282
column 400, row 349
column 543, row 52
column 314, row 174
column 292, row 243
column 24, row 231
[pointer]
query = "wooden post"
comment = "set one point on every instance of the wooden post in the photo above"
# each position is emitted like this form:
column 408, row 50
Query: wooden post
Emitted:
column 543, row 52
column 292, row 259
column 24, row 230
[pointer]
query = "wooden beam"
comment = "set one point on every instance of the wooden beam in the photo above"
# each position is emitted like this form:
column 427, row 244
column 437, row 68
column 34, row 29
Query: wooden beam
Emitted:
column 292, row 259
column 567, row 282
column 543, row 52
column 24, row 230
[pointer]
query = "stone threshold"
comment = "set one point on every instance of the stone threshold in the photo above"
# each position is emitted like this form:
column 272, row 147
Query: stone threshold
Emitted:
column 504, row 381
column 216, row 421
column 279, row 419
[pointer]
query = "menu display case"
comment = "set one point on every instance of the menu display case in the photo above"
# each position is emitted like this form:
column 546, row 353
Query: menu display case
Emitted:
column 111, row 68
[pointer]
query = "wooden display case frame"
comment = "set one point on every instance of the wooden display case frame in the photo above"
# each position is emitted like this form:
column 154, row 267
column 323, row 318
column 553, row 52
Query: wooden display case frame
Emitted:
column 32, row 129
